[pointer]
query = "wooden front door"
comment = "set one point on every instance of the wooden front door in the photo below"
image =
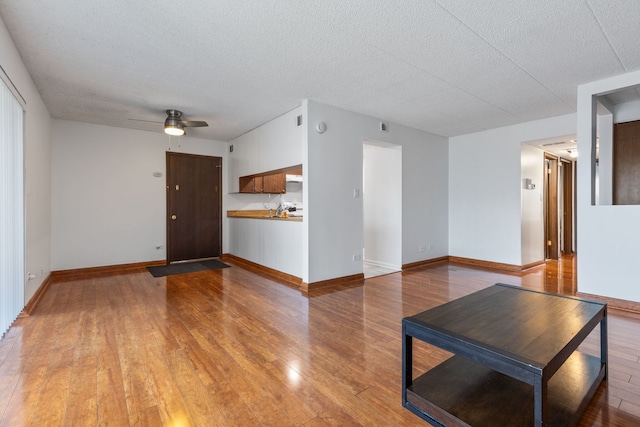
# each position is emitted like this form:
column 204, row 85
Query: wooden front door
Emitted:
column 194, row 207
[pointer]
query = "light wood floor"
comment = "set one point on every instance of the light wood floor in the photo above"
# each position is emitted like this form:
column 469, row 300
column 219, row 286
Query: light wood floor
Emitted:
column 229, row 347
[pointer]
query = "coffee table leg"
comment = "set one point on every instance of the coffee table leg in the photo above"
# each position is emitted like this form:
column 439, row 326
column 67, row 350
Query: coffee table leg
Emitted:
column 407, row 363
column 604, row 343
column 539, row 401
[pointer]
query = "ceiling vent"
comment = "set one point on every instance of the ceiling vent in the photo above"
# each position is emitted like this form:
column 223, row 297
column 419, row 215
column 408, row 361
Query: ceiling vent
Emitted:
column 548, row 144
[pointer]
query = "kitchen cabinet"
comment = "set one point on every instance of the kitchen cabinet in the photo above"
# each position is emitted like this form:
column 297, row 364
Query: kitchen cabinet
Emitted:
column 273, row 182
column 251, row 184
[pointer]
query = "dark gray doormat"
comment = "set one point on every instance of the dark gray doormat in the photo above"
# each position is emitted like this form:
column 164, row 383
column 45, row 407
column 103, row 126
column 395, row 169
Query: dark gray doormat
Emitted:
column 185, row 267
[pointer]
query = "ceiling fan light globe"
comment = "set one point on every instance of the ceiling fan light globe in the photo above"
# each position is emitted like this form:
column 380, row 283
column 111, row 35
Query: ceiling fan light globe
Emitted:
column 174, row 130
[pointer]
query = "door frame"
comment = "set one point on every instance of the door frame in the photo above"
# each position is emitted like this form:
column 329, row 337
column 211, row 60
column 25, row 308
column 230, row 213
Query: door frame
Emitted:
column 567, row 206
column 551, row 220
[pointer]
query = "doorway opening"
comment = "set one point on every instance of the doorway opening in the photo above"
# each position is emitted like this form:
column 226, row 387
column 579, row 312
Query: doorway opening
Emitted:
column 548, row 172
column 382, row 208
column 559, row 206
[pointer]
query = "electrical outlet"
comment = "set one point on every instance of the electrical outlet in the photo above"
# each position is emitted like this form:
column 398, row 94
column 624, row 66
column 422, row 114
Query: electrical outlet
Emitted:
column 421, row 249
column 356, row 193
column 357, row 257
column 430, row 246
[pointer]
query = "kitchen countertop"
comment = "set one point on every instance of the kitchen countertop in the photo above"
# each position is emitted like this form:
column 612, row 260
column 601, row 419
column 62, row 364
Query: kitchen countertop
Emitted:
column 263, row 214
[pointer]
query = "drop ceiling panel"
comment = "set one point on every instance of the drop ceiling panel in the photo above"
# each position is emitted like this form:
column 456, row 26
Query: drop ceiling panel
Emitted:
column 446, row 66
column 559, row 44
column 434, row 41
column 621, row 31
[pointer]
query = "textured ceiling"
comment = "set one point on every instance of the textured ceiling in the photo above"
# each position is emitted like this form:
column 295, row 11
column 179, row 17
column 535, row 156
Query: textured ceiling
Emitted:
column 446, row 66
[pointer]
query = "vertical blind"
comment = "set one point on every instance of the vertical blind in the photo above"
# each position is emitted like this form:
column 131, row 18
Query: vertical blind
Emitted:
column 12, row 270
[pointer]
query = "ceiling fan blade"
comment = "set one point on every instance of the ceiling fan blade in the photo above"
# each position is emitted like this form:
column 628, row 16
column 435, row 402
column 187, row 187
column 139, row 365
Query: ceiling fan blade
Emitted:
column 148, row 121
column 194, row 124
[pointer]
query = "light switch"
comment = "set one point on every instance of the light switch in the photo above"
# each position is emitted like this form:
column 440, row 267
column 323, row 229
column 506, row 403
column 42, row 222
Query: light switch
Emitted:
column 356, row 193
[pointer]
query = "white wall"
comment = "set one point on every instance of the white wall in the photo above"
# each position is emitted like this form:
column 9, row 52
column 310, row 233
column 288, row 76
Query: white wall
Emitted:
column 37, row 124
column 274, row 145
column 280, row 245
column 605, row 168
column 532, row 205
column 335, row 217
column 484, row 189
column 382, row 198
column 108, row 208
column 607, row 236
column 626, row 112
column 272, row 243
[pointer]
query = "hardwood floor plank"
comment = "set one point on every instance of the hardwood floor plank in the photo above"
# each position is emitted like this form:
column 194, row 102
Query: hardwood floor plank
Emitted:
column 24, row 398
column 270, row 414
column 13, row 336
column 171, row 406
column 236, row 412
column 112, row 407
column 137, row 390
column 149, row 417
column 200, row 403
column 82, row 402
column 239, row 349
column 279, row 391
column 52, row 403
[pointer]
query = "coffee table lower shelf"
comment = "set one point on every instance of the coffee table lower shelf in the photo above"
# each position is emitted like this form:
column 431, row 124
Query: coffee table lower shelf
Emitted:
column 459, row 392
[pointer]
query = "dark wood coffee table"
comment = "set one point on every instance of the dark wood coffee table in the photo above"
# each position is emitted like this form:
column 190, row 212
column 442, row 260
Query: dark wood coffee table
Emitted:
column 515, row 361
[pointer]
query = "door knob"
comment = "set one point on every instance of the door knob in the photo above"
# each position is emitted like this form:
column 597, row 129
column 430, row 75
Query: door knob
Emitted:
column 173, row 217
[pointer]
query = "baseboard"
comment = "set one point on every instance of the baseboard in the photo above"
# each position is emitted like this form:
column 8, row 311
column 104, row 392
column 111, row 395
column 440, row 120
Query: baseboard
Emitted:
column 106, row 269
column 383, row 265
column 486, row 264
column 35, row 299
column 250, row 265
column 424, row 263
column 614, row 303
column 532, row 265
column 307, row 287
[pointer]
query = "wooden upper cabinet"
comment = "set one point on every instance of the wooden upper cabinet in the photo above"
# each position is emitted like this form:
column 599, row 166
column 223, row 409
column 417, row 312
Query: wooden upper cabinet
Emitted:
column 246, row 184
column 258, row 184
column 251, row 184
column 274, row 182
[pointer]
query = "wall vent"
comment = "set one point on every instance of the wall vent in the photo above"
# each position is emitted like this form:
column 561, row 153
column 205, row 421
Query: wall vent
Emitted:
column 384, row 127
column 299, row 120
column 231, row 148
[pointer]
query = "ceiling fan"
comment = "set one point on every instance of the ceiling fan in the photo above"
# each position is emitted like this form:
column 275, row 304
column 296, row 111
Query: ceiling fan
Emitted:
column 174, row 125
